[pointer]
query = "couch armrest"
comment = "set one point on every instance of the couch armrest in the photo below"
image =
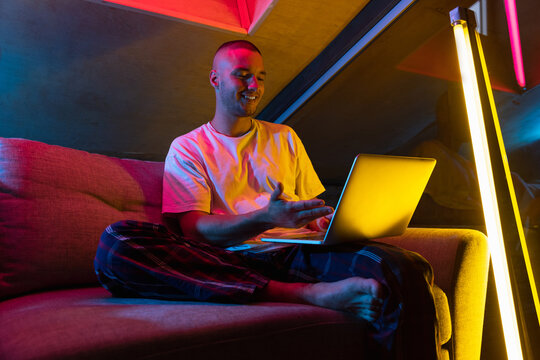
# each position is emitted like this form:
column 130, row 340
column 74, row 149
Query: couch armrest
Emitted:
column 460, row 261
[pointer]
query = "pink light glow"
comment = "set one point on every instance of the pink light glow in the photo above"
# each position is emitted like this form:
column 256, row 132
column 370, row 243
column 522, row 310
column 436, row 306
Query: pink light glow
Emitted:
column 240, row 16
column 515, row 42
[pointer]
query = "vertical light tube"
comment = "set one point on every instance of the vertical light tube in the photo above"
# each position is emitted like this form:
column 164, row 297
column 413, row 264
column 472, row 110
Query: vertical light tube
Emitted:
column 515, row 42
column 487, row 191
column 508, row 175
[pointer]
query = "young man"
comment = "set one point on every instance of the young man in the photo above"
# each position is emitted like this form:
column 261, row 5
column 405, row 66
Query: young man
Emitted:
column 234, row 178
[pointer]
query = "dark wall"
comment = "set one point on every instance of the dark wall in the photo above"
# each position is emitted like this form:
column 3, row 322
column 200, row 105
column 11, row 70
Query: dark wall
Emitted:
column 92, row 77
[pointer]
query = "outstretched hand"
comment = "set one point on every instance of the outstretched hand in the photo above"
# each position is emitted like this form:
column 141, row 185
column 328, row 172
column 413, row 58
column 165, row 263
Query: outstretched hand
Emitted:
column 293, row 214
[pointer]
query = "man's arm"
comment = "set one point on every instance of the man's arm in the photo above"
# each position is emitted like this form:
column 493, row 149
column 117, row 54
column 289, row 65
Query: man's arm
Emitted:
column 228, row 230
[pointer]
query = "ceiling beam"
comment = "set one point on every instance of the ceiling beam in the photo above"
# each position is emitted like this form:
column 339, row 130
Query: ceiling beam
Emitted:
column 363, row 29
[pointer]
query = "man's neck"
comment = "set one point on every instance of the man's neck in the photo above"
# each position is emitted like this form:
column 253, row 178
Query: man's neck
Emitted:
column 232, row 127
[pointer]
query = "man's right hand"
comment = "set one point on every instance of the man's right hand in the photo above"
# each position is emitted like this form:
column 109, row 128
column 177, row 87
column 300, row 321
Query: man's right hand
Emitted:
column 293, row 214
column 227, row 230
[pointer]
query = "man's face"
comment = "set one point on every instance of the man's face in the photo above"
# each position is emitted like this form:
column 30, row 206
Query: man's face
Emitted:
column 238, row 76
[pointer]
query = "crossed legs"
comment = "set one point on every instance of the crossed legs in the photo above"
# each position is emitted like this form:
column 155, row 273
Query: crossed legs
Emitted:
column 387, row 286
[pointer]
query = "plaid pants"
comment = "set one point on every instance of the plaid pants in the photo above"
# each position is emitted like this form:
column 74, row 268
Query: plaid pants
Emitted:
column 138, row 259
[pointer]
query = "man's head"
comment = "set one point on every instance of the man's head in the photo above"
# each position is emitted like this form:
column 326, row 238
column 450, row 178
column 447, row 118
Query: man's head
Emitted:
column 238, row 76
column 235, row 44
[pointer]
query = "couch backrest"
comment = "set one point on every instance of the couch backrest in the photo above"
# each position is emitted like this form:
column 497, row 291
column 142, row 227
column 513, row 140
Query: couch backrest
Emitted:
column 54, row 204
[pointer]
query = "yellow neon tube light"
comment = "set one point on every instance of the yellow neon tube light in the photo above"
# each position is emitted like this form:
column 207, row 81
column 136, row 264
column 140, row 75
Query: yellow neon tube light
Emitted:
column 508, row 176
column 487, row 191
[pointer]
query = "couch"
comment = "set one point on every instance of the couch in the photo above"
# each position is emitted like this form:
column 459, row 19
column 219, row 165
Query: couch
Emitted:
column 56, row 201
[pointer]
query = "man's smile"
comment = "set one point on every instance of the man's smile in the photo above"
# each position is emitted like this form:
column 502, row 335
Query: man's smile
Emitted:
column 250, row 97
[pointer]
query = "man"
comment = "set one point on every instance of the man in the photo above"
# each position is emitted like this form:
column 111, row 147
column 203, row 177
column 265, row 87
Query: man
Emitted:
column 234, row 178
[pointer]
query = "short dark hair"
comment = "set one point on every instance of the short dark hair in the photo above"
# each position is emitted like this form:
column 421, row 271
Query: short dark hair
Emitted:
column 239, row 43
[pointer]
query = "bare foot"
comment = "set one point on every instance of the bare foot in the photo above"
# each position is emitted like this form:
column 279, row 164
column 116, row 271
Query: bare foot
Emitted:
column 362, row 297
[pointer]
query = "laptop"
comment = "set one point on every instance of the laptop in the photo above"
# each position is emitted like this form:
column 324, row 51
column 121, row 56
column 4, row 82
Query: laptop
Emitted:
column 378, row 200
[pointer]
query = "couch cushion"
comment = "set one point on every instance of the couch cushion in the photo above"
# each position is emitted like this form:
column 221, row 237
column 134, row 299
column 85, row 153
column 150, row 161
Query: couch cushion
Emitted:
column 54, row 204
column 89, row 324
column 443, row 314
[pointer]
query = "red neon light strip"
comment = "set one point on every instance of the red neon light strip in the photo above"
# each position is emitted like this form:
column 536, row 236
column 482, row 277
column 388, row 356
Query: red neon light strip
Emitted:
column 515, row 42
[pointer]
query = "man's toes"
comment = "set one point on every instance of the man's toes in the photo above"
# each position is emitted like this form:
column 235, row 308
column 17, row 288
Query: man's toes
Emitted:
column 371, row 286
column 377, row 289
column 366, row 305
column 368, row 301
column 365, row 314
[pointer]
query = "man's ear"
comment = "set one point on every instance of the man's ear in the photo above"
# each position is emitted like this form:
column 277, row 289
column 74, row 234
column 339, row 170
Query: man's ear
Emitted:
column 214, row 79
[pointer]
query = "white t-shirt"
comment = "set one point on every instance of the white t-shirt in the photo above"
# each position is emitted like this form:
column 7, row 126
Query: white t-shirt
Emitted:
column 218, row 174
